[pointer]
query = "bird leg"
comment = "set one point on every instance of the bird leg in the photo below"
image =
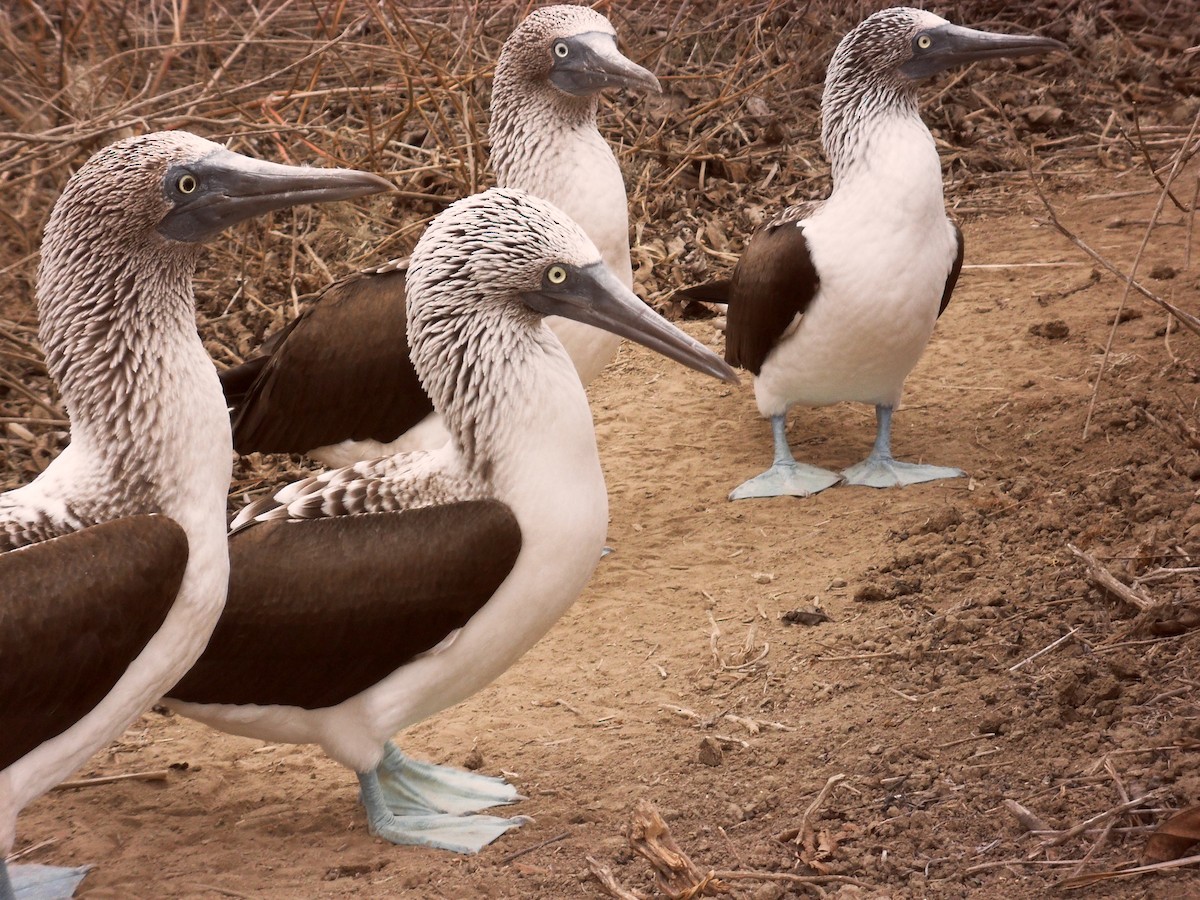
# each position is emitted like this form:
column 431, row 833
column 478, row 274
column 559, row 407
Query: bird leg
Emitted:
column 880, row 469
column 411, row 787
column 458, row 834
column 786, row 476
column 35, row 882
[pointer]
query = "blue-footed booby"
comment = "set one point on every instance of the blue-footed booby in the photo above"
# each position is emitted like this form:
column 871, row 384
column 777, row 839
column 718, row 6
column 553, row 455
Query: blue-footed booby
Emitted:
column 836, row 300
column 113, row 561
column 367, row 598
column 337, row 382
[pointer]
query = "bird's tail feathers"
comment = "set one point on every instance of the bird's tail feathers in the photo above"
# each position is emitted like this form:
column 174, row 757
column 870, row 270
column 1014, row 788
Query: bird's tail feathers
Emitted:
column 710, row 292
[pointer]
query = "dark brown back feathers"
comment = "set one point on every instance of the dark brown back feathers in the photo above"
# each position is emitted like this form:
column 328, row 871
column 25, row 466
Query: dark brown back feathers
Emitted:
column 339, row 371
column 320, row 610
column 773, row 283
column 75, row 611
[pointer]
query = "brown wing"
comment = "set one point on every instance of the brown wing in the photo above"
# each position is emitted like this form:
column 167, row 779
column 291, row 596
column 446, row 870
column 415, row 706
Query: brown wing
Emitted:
column 237, row 381
column 709, row 292
column 719, row 291
column 955, row 269
column 339, row 371
column 74, row 613
column 773, row 283
column 320, row 610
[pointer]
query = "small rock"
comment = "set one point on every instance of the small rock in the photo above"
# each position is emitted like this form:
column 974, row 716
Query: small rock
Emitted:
column 1040, row 114
column 941, row 521
column 711, row 753
column 474, row 760
column 870, row 593
column 1055, row 329
column 757, row 106
column 808, row 615
column 769, row 891
column 763, row 577
column 992, row 724
column 1128, row 314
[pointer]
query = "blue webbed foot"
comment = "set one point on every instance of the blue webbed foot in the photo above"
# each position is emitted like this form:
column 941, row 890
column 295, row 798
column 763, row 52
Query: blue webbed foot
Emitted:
column 879, row 472
column 458, row 834
column 786, row 479
column 412, row 787
column 36, row 882
column 442, row 831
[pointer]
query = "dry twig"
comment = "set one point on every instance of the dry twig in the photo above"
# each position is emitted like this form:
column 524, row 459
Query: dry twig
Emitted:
column 1103, row 578
column 674, row 872
column 155, row 775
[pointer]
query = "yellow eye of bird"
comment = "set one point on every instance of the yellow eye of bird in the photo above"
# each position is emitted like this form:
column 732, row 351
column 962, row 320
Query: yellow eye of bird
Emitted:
column 924, row 42
column 556, row 274
column 561, row 50
column 186, row 184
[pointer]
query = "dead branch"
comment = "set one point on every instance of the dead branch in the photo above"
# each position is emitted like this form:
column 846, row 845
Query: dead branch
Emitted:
column 1103, row 578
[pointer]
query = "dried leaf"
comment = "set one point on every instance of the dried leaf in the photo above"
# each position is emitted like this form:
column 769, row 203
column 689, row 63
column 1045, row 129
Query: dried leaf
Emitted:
column 1174, row 836
column 715, row 235
column 1041, row 114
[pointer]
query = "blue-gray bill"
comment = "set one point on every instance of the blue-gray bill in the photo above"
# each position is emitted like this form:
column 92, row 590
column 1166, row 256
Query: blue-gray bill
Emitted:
column 588, row 63
column 594, row 296
column 953, row 45
column 224, row 188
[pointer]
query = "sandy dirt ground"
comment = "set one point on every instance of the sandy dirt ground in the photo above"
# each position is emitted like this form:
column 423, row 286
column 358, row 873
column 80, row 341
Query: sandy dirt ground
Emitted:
column 684, row 677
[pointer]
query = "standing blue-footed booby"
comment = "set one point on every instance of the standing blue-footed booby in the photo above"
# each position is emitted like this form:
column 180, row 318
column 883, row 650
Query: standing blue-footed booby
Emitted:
column 113, row 561
column 337, row 382
column 836, row 300
column 367, row 598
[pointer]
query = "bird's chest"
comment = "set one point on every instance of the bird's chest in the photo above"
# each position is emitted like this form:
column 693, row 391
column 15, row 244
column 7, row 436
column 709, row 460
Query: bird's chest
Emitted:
column 882, row 245
column 884, row 274
column 882, row 259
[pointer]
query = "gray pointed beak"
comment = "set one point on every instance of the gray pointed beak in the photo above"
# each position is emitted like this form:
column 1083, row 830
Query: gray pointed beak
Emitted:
column 595, row 296
column 953, row 45
column 224, row 188
column 593, row 63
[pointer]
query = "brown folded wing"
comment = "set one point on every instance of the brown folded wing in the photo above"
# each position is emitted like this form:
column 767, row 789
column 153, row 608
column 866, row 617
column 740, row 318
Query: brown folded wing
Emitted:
column 773, row 283
column 320, row 610
column 75, row 611
column 339, row 371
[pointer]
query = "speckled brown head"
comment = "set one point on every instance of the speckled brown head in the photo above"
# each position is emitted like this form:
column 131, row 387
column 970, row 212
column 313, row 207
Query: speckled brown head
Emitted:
column 550, row 73
column 114, row 293
column 877, row 66
column 573, row 49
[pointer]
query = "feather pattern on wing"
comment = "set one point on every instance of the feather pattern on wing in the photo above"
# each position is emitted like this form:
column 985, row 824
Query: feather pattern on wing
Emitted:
column 25, row 521
column 405, row 481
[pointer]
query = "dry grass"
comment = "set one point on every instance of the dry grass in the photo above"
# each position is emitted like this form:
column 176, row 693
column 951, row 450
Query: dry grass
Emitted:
column 402, row 89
